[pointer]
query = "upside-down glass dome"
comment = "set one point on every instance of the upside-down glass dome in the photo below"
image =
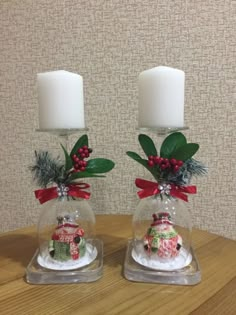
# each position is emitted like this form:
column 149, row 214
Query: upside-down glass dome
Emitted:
column 66, row 229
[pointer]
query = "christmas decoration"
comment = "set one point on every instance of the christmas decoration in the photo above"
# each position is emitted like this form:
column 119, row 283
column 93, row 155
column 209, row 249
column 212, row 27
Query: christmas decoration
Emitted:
column 49, row 171
column 161, row 222
column 174, row 166
column 66, row 246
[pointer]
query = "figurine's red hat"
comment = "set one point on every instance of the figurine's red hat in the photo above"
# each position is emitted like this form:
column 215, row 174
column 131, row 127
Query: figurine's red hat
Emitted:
column 161, row 218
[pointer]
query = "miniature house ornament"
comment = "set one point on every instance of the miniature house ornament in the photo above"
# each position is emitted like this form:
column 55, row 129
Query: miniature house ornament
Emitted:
column 161, row 247
column 67, row 241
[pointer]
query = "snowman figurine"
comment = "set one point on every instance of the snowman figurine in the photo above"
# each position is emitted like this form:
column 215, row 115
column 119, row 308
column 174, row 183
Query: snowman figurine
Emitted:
column 161, row 237
column 67, row 242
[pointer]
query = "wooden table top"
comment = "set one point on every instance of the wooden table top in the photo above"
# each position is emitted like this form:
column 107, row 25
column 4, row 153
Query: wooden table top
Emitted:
column 113, row 294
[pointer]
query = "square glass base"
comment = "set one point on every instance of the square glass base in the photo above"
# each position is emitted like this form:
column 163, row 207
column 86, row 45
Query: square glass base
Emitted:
column 133, row 271
column 36, row 274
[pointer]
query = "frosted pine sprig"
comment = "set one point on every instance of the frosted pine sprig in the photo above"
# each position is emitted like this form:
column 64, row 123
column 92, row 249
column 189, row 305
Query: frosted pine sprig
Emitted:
column 47, row 170
column 189, row 169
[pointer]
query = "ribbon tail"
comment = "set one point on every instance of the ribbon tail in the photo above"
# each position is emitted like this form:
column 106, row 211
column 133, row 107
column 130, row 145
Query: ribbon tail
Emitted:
column 44, row 195
column 79, row 193
column 148, row 192
column 75, row 190
column 178, row 194
column 44, row 199
column 143, row 184
column 189, row 189
column 148, row 188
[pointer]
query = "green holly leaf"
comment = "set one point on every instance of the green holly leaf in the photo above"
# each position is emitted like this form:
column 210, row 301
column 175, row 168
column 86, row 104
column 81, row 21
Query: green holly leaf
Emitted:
column 171, row 144
column 147, row 145
column 153, row 170
column 185, row 152
column 83, row 140
column 69, row 163
column 137, row 158
column 134, row 156
column 99, row 165
column 84, row 174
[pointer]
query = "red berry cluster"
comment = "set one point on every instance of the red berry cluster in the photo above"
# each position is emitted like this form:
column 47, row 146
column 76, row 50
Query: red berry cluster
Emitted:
column 78, row 159
column 164, row 163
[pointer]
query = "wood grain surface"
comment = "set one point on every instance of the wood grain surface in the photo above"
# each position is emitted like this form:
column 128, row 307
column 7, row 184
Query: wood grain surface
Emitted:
column 113, row 294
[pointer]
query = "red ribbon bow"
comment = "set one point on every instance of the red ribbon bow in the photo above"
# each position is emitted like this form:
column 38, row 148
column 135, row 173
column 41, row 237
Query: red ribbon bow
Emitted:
column 151, row 188
column 73, row 190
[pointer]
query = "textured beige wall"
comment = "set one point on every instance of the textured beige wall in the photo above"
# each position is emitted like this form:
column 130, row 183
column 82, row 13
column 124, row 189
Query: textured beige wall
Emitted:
column 109, row 43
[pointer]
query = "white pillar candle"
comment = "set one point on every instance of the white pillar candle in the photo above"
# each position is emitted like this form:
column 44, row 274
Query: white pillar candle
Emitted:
column 61, row 101
column 161, row 98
